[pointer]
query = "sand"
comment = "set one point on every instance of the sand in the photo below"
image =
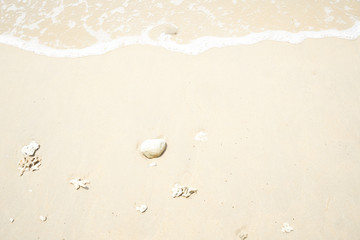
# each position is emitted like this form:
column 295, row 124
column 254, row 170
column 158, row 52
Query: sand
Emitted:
column 283, row 128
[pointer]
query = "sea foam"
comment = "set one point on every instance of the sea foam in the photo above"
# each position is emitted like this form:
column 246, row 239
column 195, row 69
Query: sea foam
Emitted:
column 195, row 47
column 85, row 28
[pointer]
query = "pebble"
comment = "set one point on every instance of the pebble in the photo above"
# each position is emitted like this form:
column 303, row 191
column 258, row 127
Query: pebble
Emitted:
column 153, row 148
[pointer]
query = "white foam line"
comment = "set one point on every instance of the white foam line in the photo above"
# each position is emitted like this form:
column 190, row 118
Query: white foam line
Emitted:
column 195, row 47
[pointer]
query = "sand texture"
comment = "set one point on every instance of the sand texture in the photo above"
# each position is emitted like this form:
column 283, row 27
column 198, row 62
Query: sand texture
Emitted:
column 282, row 124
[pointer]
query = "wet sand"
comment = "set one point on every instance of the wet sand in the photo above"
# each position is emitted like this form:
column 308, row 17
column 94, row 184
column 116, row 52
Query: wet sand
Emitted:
column 283, row 129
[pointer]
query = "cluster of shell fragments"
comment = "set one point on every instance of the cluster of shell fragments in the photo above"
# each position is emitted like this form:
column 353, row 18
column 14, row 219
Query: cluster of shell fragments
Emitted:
column 182, row 191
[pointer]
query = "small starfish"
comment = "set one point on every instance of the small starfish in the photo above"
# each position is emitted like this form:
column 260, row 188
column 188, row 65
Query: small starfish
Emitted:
column 77, row 182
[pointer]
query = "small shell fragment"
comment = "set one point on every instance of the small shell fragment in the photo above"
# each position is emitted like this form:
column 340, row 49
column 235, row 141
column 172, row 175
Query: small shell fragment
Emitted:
column 184, row 191
column 77, row 182
column 201, row 137
column 29, row 150
column 153, row 148
column 287, row 228
column 243, row 236
column 153, row 164
column 12, row 220
column 142, row 208
column 42, row 218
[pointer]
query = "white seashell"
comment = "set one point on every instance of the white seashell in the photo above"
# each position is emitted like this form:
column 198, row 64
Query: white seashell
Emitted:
column 287, row 228
column 153, row 148
column 77, row 182
column 183, row 191
column 29, row 150
column 153, row 164
column 201, row 137
column 42, row 218
column 142, row 208
column 12, row 220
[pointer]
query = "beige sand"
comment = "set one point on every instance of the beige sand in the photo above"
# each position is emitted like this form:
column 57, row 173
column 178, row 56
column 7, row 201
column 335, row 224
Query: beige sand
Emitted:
column 283, row 127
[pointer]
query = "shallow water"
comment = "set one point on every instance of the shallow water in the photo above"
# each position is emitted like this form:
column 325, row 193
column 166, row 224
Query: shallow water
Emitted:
column 72, row 28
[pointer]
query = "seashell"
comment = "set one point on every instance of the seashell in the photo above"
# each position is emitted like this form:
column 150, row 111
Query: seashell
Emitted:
column 153, row 148
column 42, row 218
column 12, row 220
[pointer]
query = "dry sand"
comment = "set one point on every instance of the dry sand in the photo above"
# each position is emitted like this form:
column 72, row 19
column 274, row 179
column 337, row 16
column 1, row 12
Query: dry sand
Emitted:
column 283, row 128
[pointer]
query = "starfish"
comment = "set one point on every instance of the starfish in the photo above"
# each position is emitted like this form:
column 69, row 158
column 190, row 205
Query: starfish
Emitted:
column 77, row 182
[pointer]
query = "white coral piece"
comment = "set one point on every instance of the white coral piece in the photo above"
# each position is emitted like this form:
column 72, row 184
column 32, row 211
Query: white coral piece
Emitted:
column 77, row 182
column 287, row 228
column 201, row 137
column 142, row 208
column 183, row 191
column 29, row 164
column 29, row 150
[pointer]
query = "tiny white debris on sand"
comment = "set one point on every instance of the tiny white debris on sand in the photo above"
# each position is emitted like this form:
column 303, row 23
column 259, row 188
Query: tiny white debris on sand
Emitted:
column 29, row 164
column 29, row 150
column 42, row 218
column 77, row 182
column 183, row 191
column 243, row 236
column 201, row 137
column 142, row 208
column 12, row 220
column 153, row 164
column 153, row 148
column 287, row 228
